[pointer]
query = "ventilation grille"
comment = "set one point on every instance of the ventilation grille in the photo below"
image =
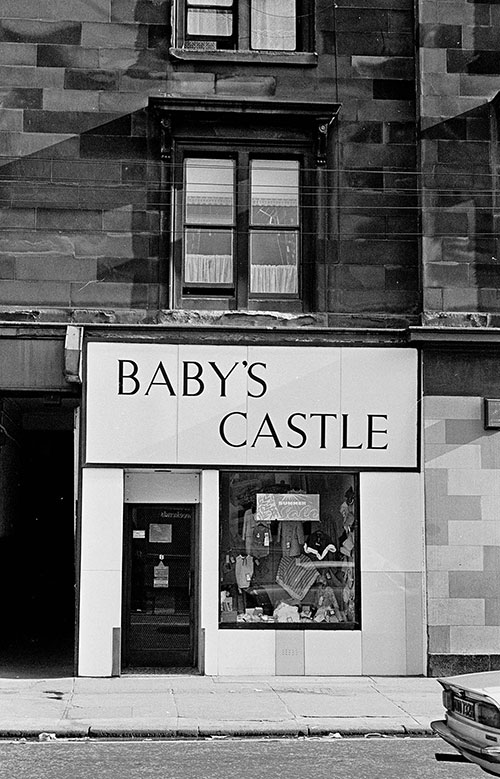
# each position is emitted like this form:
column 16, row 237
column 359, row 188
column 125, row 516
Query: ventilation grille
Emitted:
column 200, row 46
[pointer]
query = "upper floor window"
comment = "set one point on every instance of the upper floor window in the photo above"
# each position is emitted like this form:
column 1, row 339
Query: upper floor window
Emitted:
column 268, row 243
column 244, row 202
column 259, row 25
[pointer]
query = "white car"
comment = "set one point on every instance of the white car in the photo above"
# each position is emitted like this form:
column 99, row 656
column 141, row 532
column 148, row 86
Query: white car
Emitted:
column 472, row 720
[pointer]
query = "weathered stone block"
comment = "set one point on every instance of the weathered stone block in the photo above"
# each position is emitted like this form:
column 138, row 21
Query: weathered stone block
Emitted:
column 387, row 111
column 376, row 43
column 14, row 218
column 70, row 100
column 392, row 89
column 400, row 132
column 357, row 20
column 112, row 197
column 479, row 85
column 110, row 294
column 31, row 31
column 21, row 98
column 400, row 21
column 242, row 85
column 81, row 10
column 361, row 277
column 11, row 120
column 383, row 67
column 473, row 61
column 137, row 271
column 181, row 82
column 446, row 274
column 18, row 53
column 364, row 250
column 122, row 102
column 61, row 219
column 146, row 11
column 65, row 56
column 469, row 155
column 401, row 278
column 360, row 132
column 85, row 171
column 98, row 146
column 35, row 293
column 114, row 36
column 441, row 36
column 52, row 267
column 91, row 79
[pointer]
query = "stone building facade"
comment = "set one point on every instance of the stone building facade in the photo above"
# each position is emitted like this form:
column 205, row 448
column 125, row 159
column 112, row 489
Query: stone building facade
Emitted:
column 389, row 110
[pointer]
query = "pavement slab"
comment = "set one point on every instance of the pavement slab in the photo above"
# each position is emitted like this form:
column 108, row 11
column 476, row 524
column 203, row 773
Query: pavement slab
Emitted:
column 175, row 706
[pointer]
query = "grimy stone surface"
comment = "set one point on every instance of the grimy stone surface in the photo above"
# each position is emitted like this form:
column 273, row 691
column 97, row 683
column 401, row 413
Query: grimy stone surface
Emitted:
column 76, row 83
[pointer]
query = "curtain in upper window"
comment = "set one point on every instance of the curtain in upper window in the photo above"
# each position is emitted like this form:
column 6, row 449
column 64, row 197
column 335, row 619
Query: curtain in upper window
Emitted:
column 210, row 18
column 273, row 25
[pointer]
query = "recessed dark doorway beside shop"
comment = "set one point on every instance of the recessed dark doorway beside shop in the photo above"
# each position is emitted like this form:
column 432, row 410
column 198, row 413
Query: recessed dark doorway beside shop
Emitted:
column 37, row 549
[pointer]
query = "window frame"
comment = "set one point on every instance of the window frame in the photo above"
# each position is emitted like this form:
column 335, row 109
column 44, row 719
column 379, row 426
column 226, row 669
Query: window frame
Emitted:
column 221, row 123
column 216, row 39
column 241, row 37
column 238, row 294
column 305, row 475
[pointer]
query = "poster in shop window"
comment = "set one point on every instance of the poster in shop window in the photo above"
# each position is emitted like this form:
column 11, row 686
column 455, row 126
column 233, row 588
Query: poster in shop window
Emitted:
column 287, row 507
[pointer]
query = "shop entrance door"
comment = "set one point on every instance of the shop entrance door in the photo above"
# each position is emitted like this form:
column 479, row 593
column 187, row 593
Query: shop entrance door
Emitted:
column 159, row 587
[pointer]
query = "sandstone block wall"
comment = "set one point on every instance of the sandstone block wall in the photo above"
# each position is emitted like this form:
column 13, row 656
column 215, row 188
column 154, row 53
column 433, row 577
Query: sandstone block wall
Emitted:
column 79, row 174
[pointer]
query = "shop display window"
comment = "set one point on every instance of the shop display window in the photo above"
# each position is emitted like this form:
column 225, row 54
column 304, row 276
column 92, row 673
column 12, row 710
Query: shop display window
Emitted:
column 289, row 550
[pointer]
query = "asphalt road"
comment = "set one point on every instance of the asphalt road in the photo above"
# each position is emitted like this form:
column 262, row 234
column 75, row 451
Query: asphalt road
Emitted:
column 346, row 758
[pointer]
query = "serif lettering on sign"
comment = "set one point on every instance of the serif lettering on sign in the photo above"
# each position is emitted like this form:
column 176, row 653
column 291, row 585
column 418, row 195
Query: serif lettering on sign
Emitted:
column 239, row 429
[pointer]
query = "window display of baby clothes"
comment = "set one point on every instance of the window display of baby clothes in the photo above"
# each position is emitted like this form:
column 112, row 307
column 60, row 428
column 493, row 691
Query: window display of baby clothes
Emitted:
column 319, row 545
column 244, row 571
column 327, row 605
column 347, row 544
column 291, row 535
column 286, row 613
column 256, row 535
column 347, row 510
column 295, row 578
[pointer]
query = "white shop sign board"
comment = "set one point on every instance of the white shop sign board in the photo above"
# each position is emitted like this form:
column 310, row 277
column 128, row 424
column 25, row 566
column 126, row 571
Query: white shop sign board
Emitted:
column 168, row 404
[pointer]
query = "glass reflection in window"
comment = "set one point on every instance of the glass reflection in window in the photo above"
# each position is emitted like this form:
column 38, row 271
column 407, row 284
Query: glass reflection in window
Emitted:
column 209, row 205
column 289, row 549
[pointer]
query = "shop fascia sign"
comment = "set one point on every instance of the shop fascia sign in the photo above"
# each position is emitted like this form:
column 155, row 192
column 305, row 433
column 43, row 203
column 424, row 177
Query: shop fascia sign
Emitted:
column 258, row 405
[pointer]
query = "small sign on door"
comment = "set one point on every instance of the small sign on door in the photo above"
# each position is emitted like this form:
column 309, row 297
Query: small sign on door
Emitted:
column 160, row 575
column 160, row 533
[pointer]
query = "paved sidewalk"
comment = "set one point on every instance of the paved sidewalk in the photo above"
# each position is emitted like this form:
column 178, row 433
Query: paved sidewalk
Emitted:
column 173, row 706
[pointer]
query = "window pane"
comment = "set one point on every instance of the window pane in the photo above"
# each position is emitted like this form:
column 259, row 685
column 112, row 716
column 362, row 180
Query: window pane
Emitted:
column 289, row 549
column 275, row 192
column 209, row 187
column 274, row 262
column 209, row 22
column 273, row 25
column 208, row 256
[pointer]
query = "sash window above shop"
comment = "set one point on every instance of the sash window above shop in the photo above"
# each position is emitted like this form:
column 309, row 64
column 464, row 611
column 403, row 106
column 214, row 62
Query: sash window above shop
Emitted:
column 270, row 226
column 247, row 25
column 245, row 192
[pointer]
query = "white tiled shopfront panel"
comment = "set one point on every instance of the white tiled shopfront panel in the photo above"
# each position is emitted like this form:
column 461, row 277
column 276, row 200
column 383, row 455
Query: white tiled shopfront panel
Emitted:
column 101, row 569
column 209, row 572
